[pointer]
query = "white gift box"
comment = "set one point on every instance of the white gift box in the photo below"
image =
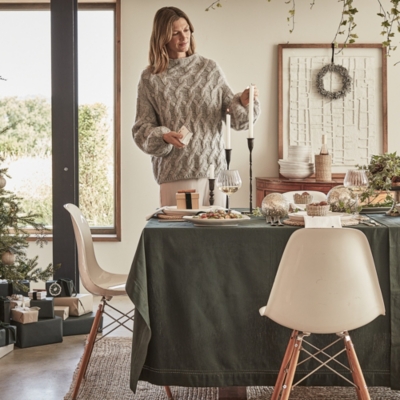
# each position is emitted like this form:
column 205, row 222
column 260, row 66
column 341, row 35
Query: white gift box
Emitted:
column 39, row 295
column 4, row 350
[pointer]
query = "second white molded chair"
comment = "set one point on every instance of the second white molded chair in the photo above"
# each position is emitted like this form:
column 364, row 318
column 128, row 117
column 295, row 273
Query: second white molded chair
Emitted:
column 326, row 283
column 98, row 282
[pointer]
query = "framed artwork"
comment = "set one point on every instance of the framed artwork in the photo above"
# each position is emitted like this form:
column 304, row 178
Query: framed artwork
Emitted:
column 354, row 125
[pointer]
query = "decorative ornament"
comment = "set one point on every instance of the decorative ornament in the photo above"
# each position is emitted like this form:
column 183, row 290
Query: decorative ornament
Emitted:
column 8, row 258
column 275, row 205
column 55, row 289
column 2, row 182
column 342, row 71
column 341, row 198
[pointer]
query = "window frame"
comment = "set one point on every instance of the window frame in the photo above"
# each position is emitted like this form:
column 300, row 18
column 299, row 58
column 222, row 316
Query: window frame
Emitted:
column 99, row 233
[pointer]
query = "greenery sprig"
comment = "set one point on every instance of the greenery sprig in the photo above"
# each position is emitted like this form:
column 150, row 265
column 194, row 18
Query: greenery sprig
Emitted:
column 390, row 18
column 347, row 24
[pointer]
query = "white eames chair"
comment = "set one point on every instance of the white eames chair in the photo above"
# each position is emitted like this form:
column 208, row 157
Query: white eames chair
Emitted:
column 326, row 283
column 98, row 282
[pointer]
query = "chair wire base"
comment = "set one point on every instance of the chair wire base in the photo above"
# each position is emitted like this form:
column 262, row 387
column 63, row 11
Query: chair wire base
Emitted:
column 284, row 383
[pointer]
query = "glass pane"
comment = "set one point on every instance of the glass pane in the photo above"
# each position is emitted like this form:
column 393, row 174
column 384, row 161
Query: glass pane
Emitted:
column 25, row 108
column 25, row 111
column 96, row 115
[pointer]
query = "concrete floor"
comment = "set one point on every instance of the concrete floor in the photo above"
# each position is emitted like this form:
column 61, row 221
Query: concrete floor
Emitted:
column 45, row 372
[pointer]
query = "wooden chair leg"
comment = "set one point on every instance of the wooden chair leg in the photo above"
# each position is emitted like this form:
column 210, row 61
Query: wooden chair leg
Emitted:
column 88, row 351
column 169, row 393
column 284, row 382
column 358, row 377
column 288, row 382
column 284, row 364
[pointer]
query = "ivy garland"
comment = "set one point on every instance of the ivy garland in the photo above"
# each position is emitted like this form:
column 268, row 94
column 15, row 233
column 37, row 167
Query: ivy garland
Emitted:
column 346, row 80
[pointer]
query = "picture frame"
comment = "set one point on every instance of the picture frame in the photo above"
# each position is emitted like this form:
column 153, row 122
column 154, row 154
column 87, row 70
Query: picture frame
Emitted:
column 355, row 126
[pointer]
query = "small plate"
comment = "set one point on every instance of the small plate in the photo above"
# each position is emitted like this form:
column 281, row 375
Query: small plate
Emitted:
column 216, row 222
column 299, row 216
column 172, row 210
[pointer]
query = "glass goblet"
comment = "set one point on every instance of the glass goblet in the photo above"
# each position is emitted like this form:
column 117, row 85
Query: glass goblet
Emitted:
column 357, row 181
column 229, row 182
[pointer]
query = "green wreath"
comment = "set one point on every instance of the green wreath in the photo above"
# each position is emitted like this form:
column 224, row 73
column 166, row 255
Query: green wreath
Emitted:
column 346, row 80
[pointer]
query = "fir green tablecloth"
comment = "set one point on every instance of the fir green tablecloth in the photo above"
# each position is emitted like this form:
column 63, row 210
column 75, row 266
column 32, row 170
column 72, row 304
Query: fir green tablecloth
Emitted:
column 197, row 292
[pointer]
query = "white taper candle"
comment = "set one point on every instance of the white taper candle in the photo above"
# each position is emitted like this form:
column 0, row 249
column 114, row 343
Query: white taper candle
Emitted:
column 251, row 111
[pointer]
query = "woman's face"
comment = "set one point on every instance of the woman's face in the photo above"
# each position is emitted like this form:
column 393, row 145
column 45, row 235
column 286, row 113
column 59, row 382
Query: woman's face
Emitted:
column 180, row 42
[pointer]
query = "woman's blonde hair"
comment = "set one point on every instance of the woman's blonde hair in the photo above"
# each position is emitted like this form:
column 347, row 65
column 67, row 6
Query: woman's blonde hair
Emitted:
column 162, row 34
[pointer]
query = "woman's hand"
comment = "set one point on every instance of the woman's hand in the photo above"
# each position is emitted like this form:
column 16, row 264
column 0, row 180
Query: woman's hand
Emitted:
column 174, row 139
column 245, row 96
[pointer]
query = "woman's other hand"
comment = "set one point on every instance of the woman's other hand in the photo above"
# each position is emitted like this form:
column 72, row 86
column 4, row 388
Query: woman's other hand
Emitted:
column 245, row 98
column 174, row 139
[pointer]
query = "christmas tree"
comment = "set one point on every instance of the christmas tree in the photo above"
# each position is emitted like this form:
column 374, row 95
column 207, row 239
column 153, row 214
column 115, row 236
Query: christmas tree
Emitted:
column 15, row 266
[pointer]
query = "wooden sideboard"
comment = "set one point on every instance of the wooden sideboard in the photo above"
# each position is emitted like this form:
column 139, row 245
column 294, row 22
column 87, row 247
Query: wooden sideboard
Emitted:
column 266, row 186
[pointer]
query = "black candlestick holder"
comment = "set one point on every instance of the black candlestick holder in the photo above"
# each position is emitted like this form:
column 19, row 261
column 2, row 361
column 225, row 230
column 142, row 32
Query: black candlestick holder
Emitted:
column 250, row 144
column 211, row 183
column 228, row 153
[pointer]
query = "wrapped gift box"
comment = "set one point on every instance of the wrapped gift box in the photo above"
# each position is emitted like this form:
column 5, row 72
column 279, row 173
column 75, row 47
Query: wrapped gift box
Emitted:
column 6, row 350
column 78, row 305
column 80, row 325
column 45, row 331
column 6, row 288
column 46, row 307
column 19, row 291
column 10, row 334
column 25, row 315
column 187, row 200
column 2, row 337
column 5, row 307
column 17, row 300
column 61, row 311
column 37, row 295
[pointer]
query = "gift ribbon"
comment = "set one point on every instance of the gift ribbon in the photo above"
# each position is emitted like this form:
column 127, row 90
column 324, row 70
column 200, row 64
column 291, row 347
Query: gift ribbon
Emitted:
column 188, row 199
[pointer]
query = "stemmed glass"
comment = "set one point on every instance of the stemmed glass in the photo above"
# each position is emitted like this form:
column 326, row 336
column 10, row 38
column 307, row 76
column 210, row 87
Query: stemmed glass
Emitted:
column 357, row 181
column 229, row 182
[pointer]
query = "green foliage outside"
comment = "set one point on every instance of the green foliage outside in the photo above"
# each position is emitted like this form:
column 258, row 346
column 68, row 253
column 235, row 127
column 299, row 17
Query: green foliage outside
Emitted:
column 25, row 139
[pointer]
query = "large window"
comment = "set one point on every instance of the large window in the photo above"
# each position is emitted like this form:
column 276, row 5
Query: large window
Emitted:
column 25, row 110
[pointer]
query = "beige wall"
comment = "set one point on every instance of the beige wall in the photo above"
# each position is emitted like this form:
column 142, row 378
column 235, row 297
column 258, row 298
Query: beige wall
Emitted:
column 242, row 37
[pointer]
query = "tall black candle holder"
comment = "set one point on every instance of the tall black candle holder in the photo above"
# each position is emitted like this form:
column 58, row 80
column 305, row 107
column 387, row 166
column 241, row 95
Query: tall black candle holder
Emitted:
column 250, row 144
column 211, row 183
column 228, row 153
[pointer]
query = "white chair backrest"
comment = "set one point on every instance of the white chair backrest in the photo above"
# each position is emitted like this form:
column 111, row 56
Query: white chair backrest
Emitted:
column 326, row 282
column 317, row 196
column 89, row 269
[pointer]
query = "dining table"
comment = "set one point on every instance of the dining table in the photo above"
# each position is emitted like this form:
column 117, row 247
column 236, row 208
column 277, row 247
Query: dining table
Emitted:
column 198, row 290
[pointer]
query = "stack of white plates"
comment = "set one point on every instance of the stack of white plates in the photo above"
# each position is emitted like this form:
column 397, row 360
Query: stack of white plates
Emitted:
column 297, row 165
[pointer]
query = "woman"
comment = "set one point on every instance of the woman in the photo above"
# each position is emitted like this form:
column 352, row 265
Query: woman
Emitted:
column 181, row 88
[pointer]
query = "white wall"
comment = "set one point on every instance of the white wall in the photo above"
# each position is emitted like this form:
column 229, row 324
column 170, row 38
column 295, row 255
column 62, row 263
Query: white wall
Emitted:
column 242, row 37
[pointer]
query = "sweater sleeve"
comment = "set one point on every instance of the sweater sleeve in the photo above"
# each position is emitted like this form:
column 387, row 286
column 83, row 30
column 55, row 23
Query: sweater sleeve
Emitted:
column 147, row 133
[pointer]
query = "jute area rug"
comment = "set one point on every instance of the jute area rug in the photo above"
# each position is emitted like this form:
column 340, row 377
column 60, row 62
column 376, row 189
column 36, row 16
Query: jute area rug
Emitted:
column 107, row 378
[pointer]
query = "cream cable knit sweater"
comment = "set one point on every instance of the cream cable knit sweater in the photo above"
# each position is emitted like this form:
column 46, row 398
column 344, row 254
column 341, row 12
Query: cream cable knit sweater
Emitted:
column 191, row 92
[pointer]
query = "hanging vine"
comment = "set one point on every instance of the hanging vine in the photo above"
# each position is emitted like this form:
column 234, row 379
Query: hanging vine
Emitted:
column 390, row 20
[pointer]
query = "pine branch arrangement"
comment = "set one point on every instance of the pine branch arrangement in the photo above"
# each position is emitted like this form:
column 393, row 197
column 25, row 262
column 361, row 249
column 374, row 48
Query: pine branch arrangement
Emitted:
column 14, row 224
